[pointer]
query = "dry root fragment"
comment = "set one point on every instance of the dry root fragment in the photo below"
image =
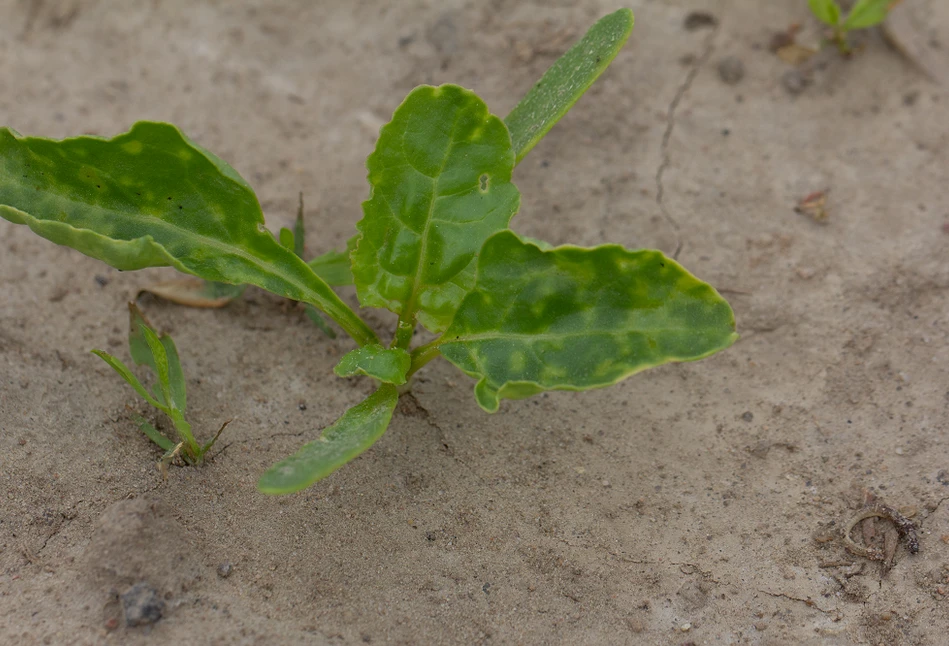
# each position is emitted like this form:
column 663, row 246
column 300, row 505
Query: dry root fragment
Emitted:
column 905, row 526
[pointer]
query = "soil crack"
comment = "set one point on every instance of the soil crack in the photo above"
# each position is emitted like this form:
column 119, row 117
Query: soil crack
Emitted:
column 665, row 159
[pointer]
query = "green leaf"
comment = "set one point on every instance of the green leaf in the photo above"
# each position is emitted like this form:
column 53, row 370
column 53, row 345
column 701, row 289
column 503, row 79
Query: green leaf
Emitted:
column 132, row 380
column 153, row 433
column 176, row 376
column 334, row 266
column 575, row 319
column 385, row 364
column 827, row 11
column 287, row 239
column 299, row 232
column 441, row 185
column 138, row 347
column 867, row 13
column 567, row 79
column 160, row 357
column 317, row 319
column 149, row 198
column 353, row 433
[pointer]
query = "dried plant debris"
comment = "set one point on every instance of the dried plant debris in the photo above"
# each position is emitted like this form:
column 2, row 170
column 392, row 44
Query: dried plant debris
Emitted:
column 904, row 526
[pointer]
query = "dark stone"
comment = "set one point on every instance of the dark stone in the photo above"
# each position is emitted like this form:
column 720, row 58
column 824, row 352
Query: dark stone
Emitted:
column 142, row 605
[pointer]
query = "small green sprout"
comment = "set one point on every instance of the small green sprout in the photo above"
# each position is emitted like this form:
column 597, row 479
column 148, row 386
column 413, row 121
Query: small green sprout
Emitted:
column 434, row 247
column 863, row 14
column 168, row 395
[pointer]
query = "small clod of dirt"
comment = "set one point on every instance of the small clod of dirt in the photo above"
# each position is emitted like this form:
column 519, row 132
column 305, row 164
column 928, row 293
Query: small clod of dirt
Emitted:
column 699, row 20
column 142, row 605
column 794, row 82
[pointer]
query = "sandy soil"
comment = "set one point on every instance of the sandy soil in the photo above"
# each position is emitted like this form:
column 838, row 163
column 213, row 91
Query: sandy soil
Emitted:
column 698, row 503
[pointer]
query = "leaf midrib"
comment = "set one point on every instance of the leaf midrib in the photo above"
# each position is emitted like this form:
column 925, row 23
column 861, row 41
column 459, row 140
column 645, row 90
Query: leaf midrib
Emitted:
column 497, row 336
column 408, row 314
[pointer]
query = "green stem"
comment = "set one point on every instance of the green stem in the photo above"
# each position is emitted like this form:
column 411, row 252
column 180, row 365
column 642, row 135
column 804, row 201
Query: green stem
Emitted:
column 184, row 432
column 403, row 334
column 422, row 355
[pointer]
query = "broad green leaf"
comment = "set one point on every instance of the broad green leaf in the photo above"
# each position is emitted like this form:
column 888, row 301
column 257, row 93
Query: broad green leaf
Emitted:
column 385, row 364
column 867, row 13
column 149, row 198
column 132, row 380
column 575, row 319
column 350, row 435
column 567, row 79
column 441, row 185
column 153, row 433
column 334, row 266
column 827, row 11
column 196, row 292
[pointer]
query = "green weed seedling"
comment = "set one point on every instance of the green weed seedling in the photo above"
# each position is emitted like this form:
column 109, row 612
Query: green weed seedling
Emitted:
column 434, row 246
column 168, row 395
column 863, row 14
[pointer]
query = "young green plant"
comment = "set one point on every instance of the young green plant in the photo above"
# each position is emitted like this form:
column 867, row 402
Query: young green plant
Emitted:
column 863, row 14
column 168, row 394
column 434, row 246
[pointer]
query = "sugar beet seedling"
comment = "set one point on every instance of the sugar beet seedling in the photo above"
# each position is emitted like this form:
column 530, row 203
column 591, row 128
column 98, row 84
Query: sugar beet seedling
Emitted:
column 433, row 246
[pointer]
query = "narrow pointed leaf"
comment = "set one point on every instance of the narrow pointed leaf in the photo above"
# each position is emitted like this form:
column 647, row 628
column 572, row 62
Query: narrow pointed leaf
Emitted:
column 334, row 266
column 287, row 240
column 196, row 292
column 153, row 433
column 827, row 11
column 176, row 376
column 317, row 319
column 441, row 185
column 160, row 358
column 150, row 198
column 867, row 13
column 575, row 319
column 299, row 232
column 567, row 79
column 207, row 447
column 130, row 378
column 350, row 435
column 138, row 347
column 385, row 364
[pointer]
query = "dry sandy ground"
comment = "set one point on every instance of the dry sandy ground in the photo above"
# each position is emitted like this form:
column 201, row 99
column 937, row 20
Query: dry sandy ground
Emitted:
column 698, row 503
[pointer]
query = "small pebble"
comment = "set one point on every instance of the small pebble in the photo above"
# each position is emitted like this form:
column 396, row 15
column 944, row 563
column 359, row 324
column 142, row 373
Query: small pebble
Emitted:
column 731, row 70
column 899, row 450
column 224, row 569
column 606, row 483
column 685, row 627
column 747, row 416
column 142, row 605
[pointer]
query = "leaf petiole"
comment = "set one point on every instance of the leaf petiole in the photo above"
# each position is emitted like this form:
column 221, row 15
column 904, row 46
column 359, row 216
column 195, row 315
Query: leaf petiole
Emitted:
column 422, row 355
